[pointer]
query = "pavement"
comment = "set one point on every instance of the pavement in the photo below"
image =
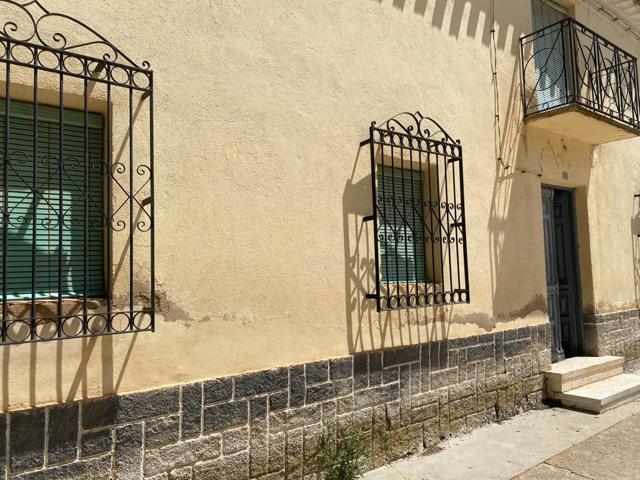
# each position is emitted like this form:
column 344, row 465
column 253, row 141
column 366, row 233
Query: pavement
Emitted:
column 548, row 444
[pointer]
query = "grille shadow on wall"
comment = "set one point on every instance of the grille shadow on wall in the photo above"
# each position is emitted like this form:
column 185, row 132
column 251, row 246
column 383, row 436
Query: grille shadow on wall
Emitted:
column 419, row 222
column 76, row 142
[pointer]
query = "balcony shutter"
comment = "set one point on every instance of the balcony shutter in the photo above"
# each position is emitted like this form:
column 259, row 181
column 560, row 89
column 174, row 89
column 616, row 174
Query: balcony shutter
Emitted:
column 550, row 51
column 401, row 225
column 44, row 197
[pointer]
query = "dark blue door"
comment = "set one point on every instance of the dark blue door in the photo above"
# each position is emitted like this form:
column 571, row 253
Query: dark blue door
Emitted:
column 562, row 267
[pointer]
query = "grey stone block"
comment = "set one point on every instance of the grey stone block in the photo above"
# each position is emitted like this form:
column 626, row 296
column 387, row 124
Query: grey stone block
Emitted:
column 96, row 442
column 93, row 469
column 517, row 347
column 181, row 454
column 235, row 440
column 376, row 396
column 297, row 386
column 63, row 433
column 438, row 354
column 184, row 473
column 340, row 368
column 232, row 467
column 3, row 442
column 128, row 451
column 278, row 401
column 480, row 352
column 276, row 452
column 375, row 369
column 462, row 390
column 328, row 391
column 294, row 418
column 225, row 415
column 258, row 408
column 162, row 431
column 129, row 408
column 463, row 342
column 191, row 410
column 444, row 378
column 398, row 356
column 360, row 370
column 317, row 372
column 161, row 476
column 27, row 439
column 264, row 381
column 510, row 335
column 390, row 375
column 219, row 390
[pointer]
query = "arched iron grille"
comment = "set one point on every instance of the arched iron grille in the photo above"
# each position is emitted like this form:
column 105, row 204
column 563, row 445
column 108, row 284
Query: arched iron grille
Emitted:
column 419, row 221
column 76, row 142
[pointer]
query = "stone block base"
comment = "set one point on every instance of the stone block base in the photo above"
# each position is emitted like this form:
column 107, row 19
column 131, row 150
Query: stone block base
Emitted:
column 267, row 424
column 616, row 333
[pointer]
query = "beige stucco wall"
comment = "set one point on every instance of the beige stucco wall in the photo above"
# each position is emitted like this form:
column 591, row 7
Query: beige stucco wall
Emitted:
column 262, row 255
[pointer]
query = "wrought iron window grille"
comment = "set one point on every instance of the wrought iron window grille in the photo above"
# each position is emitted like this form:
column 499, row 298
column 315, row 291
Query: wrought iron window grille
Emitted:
column 418, row 221
column 77, row 149
column 567, row 63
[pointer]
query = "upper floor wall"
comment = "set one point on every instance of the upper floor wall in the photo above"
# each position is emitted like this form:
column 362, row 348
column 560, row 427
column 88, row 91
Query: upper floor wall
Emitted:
column 263, row 258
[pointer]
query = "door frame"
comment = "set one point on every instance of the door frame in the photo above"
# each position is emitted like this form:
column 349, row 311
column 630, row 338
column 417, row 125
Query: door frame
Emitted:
column 575, row 251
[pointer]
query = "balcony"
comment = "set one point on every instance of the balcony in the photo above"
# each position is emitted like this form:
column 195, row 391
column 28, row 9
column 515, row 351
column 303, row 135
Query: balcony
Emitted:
column 578, row 84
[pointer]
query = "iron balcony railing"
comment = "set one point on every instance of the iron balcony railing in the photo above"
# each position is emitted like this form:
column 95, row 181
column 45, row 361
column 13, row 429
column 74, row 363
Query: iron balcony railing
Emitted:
column 567, row 63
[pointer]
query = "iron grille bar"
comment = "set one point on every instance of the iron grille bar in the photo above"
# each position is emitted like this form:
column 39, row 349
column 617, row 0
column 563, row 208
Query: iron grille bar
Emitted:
column 71, row 240
column 131, row 221
column 108, row 224
column 34, row 229
column 419, row 261
column 152, row 206
column 567, row 63
column 5, row 202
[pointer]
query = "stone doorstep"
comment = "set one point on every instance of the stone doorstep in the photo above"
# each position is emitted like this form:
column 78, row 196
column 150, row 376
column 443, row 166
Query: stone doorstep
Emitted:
column 577, row 372
column 603, row 395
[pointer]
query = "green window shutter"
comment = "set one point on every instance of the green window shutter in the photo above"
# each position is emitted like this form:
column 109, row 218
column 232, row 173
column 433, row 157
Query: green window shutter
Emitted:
column 400, row 229
column 46, row 203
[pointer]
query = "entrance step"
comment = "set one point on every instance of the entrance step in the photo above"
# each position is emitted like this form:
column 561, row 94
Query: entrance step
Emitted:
column 577, row 372
column 602, row 395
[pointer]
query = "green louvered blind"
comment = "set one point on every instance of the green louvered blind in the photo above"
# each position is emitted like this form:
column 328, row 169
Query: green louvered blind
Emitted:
column 44, row 199
column 401, row 225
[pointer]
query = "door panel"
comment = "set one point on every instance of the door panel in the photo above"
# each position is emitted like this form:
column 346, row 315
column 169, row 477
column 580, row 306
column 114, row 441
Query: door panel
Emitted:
column 553, row 303
column 563, row 278
column 566, row 260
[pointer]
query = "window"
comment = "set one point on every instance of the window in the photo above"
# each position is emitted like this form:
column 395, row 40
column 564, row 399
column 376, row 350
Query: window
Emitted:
column 77, row 232
column 401, row 229
column 418, row 214
column 35, row 190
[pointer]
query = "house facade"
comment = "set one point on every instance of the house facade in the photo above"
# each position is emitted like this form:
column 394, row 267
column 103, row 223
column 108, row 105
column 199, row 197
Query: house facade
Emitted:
column 393, row 215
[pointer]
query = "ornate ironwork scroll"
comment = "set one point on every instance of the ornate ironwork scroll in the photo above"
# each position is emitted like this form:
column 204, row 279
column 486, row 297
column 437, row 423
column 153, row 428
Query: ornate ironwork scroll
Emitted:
column 419, row 220
column 77, row 149
column 568, row 63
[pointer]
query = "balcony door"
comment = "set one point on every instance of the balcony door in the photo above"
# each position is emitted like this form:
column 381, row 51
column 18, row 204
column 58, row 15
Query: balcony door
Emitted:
column 549, row 53
column 562, row 267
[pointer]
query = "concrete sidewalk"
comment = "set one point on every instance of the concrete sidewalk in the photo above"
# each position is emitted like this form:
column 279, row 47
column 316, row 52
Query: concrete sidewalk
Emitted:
column 546, row 444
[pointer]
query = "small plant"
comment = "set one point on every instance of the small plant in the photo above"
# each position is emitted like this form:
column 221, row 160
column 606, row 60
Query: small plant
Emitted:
column 341, row 457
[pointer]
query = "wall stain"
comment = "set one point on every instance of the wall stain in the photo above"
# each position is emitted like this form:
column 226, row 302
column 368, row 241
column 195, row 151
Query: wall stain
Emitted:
column 487, row 323
column 170, row 311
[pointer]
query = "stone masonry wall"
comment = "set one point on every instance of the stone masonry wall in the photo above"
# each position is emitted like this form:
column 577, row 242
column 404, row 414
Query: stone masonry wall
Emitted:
column 616, row 333
column 267, row 424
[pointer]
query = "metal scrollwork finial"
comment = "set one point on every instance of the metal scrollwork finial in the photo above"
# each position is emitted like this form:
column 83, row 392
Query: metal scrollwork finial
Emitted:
column 416, row 124
column 35, row 24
